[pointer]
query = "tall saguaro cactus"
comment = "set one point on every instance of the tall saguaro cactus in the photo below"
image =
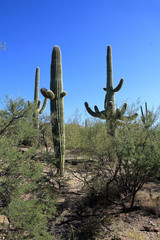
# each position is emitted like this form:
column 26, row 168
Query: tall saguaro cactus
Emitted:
column 113, row 117
column 56, row 94
column 37, row 101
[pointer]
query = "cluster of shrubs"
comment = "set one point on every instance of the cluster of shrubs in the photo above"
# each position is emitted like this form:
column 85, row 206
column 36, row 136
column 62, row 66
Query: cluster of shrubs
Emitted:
column 26, row 197
column 120, row 165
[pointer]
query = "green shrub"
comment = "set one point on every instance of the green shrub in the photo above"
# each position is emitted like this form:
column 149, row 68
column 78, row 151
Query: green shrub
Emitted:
column 73, row 133
column 138, row 152
column 45, row 134
column 28, row 201
column 124, row 162
column 16, row 122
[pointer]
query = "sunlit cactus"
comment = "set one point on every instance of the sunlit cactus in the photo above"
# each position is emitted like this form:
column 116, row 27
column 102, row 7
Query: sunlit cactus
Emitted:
column 56, row 94
column 113, row 117
column 37, row 101
column 147, row 117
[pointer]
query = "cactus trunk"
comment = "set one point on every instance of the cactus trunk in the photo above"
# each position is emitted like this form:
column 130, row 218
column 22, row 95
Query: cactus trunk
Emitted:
column 57, row 109
column 36, row 99
column 36, row 90
column 109, row 85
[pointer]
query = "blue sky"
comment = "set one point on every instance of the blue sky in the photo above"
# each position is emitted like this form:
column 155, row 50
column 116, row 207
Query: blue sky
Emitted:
column 82, row 29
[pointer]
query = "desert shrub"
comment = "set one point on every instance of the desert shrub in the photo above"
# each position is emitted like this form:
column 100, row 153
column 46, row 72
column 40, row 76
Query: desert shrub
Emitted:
column 73, row 136
column 138, row 153
column 121, row 164
column 96, row 143
column 28, row 200
column 16, row 122
column 45, row 132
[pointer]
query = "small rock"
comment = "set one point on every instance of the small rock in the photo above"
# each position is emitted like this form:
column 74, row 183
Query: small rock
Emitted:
column 153, row 224
column 4, row 220
column 150, row 229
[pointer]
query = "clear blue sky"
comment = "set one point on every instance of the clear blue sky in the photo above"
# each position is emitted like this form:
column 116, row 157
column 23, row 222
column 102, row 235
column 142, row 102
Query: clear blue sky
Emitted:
column 82, row 29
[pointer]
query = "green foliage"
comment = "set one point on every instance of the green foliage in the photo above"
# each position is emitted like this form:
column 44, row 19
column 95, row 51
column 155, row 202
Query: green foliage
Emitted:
column 73, row 133
column 16, row 122
column 123, row 163
column 96, row 142
column 27, row 201
column 45, row 135
column 138, row 152
column 73, row 136
column 32, row 216
column 91, row 141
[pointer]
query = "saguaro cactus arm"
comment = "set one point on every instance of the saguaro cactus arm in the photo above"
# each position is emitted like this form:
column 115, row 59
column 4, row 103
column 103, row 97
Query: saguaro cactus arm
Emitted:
column 38, row 105
column 119, row 85
column 89, row 110
column 63, row 94
column 120, row 114
column 123, row 110
column 47, row 93
column 97, row 113
column 43, row 106
column 129, row 118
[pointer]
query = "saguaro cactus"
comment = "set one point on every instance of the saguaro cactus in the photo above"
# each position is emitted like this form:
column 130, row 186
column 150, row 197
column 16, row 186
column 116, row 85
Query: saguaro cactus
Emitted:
column 113, row 117
column 56, row 94
column 37, row 101
column 148, row 118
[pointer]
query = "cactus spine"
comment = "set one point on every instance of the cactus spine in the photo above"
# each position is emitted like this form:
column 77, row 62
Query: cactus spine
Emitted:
column 113, row 117
column 37, row 101
column 56, row 94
